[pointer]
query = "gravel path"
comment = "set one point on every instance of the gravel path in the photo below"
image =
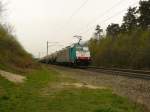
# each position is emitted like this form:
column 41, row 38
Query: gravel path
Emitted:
column 12, row 77
column 137, row 90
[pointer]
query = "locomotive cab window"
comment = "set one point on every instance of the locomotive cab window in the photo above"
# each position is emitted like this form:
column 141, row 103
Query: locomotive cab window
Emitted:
column 79, row 49
column 85, row 49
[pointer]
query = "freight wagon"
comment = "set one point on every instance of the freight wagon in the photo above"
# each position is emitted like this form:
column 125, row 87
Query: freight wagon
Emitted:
column 72, row 55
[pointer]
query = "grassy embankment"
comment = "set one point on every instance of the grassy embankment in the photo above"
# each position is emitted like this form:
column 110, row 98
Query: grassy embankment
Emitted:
column 12, row 56
column 39, row 94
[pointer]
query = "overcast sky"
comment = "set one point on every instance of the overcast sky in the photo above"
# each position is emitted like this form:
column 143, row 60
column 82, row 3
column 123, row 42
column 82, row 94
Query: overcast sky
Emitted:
column 36, row 21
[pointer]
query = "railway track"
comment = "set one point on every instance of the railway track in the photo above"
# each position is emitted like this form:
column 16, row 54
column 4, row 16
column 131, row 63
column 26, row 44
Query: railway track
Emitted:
column 122, row 72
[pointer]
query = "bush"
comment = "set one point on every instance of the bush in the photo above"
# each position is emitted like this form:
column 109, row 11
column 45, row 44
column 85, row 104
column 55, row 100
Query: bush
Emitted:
column 130, row 50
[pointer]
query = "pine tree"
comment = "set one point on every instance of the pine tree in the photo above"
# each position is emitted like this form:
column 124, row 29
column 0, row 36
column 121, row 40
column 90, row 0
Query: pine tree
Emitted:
column 113, row 30
column 144, row 10
column 130, row 20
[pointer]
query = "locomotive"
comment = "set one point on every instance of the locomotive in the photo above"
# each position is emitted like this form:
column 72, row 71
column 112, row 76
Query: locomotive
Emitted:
column 74, row 55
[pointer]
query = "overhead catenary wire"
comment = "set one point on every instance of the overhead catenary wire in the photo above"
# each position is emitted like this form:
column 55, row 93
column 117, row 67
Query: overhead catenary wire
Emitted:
column 77, row 10
column 106, row 19
column 105, row 12
column 109, row 18
column 70, row 18
column 74, row 13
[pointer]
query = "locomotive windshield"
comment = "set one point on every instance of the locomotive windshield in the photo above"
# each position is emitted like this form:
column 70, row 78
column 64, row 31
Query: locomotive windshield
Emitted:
column 85, row 49
column 79, row 48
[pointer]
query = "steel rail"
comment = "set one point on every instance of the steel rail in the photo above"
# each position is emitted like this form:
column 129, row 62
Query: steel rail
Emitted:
column 121, row 72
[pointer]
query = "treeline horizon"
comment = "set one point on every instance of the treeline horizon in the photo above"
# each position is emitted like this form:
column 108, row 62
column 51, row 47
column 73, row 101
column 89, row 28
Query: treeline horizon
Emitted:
column 126, row 45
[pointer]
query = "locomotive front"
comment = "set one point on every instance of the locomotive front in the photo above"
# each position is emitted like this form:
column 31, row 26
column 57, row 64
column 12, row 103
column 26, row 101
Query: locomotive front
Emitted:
column 83, row 56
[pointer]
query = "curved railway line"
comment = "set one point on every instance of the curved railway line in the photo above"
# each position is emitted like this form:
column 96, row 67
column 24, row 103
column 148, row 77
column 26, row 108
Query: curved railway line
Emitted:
column 121, row 72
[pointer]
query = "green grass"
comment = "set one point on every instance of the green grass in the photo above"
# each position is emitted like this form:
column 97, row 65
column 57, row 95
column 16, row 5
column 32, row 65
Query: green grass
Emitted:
column 29, row 97
column 85, row 100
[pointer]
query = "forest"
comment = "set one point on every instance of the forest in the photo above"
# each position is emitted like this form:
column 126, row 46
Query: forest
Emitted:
column 125, row 45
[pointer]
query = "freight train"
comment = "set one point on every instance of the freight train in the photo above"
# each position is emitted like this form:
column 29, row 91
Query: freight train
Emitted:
column 74, row 55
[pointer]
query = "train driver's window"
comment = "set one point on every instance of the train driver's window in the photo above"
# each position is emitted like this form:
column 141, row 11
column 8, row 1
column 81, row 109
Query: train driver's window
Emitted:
column 85, row 49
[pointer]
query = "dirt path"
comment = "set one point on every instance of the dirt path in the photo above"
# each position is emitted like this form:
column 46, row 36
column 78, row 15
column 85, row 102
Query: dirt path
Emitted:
column 12, row 77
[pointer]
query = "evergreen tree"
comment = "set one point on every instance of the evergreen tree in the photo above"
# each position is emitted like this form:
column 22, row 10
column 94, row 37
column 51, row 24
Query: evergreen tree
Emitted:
column 130, row 20
column 98, row 31
column 113, row 30
column 144, row 10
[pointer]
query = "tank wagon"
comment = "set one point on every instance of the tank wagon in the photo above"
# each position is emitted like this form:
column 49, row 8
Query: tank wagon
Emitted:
column 72, row 55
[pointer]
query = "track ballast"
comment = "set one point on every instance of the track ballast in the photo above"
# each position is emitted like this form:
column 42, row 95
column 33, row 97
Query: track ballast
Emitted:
column 122, row 72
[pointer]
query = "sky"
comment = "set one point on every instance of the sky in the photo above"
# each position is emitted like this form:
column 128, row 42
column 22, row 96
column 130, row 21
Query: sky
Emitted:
column 38, row 21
